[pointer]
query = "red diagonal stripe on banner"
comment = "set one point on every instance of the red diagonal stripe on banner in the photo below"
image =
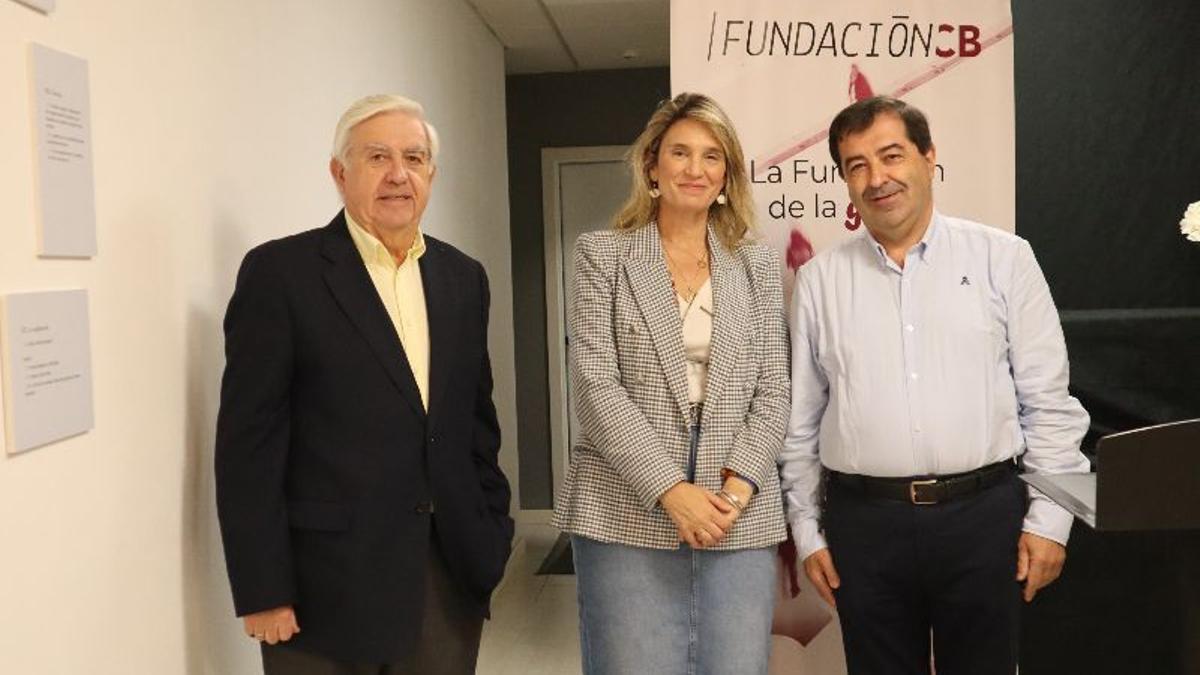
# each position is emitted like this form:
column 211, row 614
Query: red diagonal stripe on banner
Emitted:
column 930, row 74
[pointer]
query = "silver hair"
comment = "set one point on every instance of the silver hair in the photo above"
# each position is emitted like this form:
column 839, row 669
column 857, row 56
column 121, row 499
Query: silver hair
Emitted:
column 370, row 106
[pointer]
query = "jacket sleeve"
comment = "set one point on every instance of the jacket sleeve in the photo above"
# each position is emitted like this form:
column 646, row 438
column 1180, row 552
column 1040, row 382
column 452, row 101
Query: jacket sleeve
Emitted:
column 486, row 437
column 253, row 428
column 613, row 423
column 756, row 446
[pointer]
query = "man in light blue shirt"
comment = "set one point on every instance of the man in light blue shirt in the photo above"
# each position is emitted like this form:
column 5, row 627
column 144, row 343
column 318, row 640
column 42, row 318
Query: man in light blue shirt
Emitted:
column 928, row 360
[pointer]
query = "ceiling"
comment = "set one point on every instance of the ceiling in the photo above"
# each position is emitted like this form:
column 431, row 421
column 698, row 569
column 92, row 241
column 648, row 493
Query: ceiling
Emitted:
column 541, row 36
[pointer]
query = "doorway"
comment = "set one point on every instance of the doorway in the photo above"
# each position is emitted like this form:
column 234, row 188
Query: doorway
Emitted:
column 582, row 189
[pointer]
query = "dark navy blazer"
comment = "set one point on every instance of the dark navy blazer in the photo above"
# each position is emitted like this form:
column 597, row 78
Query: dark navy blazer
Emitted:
column 332, row 480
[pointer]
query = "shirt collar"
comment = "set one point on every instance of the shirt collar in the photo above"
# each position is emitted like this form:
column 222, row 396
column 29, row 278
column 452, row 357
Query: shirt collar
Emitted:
column 374, row 252
column 924, row 248
column 933, row 235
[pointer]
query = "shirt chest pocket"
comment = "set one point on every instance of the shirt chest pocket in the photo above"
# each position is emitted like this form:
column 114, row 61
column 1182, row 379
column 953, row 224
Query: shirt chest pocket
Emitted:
column 966, row 321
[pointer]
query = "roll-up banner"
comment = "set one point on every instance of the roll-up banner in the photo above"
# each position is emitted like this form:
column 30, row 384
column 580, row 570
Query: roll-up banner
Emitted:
column 783, row 69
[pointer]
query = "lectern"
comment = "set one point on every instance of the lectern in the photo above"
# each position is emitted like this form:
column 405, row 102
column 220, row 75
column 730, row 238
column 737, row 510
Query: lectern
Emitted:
column 1129, row 597
column 1146, row 479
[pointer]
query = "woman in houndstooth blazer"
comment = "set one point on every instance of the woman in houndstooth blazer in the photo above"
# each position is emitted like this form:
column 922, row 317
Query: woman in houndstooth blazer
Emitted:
column 679, row 360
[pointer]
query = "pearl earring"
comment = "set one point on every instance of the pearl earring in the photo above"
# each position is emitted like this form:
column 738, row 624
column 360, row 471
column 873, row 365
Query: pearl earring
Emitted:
column 721, row 199
column 655, row 193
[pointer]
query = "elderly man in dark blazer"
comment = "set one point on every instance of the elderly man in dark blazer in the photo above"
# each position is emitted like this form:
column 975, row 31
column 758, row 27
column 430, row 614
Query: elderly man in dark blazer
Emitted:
column 362, row 508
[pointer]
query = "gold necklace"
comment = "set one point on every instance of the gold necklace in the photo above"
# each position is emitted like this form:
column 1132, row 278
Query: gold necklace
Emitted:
column 689, row 281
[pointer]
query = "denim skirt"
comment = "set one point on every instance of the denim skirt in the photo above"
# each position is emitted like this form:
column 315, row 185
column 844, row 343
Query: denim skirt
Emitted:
column 673, row 612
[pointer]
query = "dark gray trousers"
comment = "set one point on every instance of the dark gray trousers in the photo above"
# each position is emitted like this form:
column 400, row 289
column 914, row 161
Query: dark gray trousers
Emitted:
column 449, row 642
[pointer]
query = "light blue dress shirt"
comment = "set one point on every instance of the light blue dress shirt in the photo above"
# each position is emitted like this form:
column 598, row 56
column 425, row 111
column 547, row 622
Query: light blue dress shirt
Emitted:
column 951, row 363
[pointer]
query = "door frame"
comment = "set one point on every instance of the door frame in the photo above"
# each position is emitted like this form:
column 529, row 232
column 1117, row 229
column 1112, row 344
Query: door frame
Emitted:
column 553, row 160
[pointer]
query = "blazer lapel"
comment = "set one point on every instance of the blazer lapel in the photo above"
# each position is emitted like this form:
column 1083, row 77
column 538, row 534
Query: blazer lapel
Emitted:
column 441, row 306
column 351, row 286
column 651, row 287
column 730, row 317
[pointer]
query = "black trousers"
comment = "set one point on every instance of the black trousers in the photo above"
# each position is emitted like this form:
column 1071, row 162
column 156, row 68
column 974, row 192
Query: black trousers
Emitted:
column 940, row 574
column 449, row 644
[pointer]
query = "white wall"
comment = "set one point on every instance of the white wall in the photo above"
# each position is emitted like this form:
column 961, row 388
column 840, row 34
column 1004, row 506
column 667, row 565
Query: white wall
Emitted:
column 211, row 126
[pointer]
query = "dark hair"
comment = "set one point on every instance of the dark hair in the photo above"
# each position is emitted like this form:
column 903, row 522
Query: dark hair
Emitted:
column 859, row 116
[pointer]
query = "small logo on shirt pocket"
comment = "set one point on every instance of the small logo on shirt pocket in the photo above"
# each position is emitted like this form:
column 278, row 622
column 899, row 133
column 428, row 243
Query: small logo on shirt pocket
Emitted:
column 965, row 281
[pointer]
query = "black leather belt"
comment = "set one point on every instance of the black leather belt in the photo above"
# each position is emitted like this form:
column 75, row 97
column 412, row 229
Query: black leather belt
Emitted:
column 929, row 489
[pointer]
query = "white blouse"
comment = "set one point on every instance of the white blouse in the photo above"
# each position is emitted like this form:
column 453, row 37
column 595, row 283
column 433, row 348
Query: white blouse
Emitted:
column 697, row 338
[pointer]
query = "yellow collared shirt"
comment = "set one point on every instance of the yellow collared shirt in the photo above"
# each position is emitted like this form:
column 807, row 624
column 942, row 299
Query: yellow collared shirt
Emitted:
column 403, row 295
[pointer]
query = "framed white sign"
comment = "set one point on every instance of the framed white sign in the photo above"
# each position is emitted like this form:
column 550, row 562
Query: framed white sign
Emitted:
column 44, row 6
column 47, row 369
column 65, row 184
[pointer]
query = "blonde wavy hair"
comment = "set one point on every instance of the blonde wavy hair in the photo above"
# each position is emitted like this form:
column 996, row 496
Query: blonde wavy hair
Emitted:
column 733, row 221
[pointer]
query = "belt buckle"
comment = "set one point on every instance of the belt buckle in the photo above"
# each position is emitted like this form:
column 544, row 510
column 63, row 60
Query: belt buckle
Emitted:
column 912, row 492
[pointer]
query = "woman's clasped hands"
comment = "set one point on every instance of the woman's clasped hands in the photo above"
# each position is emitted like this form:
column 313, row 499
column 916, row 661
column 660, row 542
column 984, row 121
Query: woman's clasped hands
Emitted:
column 703, row 518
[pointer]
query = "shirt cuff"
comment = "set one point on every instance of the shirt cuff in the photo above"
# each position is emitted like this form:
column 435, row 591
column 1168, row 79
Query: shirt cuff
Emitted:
column 1047, row 519
column 808, row 537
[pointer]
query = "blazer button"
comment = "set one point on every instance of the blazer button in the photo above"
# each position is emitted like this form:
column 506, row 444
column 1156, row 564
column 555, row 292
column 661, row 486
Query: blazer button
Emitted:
column 633, row 328
column 423, row 508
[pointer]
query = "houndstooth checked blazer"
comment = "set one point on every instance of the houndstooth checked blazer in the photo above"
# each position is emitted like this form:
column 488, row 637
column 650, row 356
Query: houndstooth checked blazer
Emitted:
column 628, row 372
